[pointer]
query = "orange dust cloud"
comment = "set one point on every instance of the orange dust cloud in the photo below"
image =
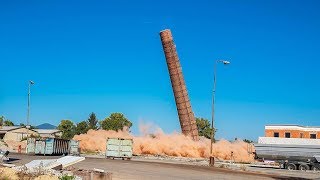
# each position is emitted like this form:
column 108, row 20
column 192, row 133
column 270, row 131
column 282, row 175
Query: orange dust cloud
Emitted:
column 159, row 143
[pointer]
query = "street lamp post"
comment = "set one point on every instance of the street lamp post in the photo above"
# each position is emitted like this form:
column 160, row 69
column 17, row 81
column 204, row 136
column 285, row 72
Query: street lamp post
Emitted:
column 213, row 94
column 30, row 83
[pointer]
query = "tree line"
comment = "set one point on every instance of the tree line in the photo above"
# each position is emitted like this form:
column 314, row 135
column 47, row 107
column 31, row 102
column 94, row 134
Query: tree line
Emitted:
column 5, row 122
column 116, row 121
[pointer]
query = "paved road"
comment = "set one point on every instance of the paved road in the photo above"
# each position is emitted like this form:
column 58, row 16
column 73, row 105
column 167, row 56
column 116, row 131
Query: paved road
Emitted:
column 154, row 170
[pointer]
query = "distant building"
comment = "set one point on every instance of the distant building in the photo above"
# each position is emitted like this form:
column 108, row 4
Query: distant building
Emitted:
column 51, row 133
column 292, row 131
column 15, row 133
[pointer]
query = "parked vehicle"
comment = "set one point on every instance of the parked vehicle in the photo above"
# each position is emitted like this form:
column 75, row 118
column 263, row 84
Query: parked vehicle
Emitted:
column 291, row 154
column 119, row 148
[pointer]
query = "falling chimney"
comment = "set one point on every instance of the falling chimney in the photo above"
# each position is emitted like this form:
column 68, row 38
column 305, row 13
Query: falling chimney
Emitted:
column 185, row 113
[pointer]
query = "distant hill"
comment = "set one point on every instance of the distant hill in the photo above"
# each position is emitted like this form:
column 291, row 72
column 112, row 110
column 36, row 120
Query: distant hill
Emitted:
column 46, row 126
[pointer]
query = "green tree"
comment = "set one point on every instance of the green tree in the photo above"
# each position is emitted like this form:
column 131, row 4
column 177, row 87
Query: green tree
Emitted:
column 31, row 127
column 2, row 118
column 248, row 141
column 7, row 122
column 116, row 121
column 68, row 129
column 82, row 127
column 204, row 128
column 93, row 121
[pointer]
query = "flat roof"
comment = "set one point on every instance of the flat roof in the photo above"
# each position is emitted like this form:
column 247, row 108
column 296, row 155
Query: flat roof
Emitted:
column 9, row 128
column 47, row 131
column 293, row 125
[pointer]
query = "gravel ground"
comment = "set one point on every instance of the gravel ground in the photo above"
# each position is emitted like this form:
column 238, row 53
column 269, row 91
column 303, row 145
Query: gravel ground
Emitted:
column 163, row 167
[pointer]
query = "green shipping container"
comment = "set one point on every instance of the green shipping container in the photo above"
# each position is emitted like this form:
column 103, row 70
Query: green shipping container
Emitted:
column 74, row 148
column 31, row 145
column 119, row 148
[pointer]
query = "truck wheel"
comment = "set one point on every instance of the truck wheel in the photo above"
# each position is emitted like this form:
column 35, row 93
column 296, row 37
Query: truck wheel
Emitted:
column 291, row 166
column 304, row 167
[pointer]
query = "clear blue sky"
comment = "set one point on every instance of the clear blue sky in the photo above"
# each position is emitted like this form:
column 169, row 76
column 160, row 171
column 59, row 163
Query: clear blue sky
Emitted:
column 106, row 56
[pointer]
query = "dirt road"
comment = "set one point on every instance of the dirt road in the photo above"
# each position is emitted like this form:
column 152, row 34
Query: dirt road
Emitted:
column 153, row 170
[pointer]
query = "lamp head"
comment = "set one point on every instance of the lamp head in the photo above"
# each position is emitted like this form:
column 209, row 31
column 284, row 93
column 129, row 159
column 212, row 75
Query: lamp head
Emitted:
column 226, row 62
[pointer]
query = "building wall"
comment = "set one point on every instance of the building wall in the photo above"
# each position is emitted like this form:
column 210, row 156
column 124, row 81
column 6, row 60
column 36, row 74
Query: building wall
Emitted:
column 18, row 134
column 293, row 133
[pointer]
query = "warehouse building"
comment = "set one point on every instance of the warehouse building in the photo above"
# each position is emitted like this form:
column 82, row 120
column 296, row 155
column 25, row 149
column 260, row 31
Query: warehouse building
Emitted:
column 292, row 131
column 18, row 133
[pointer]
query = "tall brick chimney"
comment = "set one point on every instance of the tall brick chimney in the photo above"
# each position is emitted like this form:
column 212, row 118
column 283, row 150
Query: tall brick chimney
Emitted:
column 185, row 113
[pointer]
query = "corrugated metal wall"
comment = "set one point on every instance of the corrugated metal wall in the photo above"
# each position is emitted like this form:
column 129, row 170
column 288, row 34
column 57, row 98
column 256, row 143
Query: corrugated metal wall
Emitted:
column 186, row 116
column 52, row 146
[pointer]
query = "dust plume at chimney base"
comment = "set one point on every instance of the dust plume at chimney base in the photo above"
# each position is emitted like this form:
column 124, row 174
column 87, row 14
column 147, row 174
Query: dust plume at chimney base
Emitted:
column 159, row 143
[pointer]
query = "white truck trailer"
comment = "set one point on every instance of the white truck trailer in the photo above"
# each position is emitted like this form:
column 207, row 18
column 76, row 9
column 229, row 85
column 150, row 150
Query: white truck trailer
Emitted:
column 290, row 153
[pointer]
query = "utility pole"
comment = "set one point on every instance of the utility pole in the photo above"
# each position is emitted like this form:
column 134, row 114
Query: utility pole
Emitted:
column 211, row 160
column 30, row 83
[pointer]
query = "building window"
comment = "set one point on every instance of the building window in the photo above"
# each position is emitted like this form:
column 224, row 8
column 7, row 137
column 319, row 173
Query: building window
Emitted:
column 275, row 134
column 313, row 136
column 287, row 135
column 301, row 135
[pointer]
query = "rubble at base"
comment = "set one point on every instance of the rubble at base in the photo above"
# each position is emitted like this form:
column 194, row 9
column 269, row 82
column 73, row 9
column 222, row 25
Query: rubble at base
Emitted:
column 51, row 169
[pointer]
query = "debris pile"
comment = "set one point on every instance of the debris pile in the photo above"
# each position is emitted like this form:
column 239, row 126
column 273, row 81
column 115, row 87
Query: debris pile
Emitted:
column 42, row 169
column 8, row 173
column 49, row 164
column 12, row 174
column 90, row 174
